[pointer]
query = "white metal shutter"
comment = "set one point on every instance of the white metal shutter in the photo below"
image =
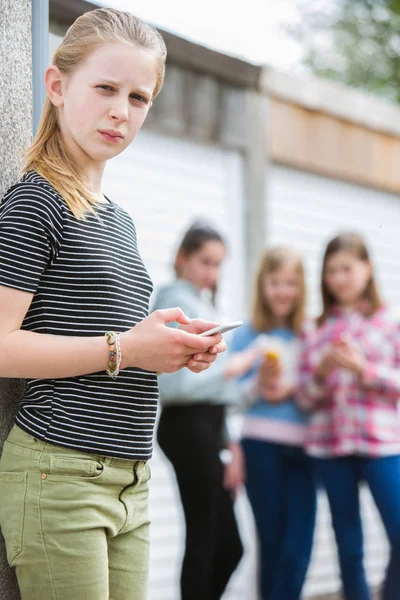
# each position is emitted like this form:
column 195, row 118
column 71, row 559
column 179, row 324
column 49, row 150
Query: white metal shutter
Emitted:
column 306, row 210
column 164, row 183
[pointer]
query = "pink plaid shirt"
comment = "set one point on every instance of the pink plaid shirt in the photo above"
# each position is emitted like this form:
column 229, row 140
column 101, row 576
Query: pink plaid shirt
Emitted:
column 352, row 415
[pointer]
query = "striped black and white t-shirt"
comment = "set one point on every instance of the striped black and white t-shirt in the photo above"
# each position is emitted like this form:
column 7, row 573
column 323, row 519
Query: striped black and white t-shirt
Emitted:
column 87, row 278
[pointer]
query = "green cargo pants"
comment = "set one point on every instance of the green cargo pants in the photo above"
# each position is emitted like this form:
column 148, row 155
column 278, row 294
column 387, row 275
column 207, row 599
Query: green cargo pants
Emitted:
column 76, row 525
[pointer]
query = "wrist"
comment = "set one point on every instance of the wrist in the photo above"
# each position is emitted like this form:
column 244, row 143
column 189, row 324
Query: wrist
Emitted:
column 114, row 354
column 127, row 349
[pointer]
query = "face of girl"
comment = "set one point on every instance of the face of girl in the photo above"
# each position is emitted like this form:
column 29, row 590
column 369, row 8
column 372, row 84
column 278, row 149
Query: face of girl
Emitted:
column 202, row 268
column 282, row 290
column 346, row 277
column 104, row 102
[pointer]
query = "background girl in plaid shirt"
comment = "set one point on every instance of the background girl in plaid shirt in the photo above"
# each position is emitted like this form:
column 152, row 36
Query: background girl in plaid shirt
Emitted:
column 350, row 380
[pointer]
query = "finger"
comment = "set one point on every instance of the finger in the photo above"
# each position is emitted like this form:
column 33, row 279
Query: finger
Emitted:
column 195, row 343
column 169, row 315
column 199, row 325
column 339, row 351
column 212, row 353
column 221, row 347
column 341, row 361
column 198, row 367
column 202, row 365
column 268, row 367
column 179, row 367
column 206, row 357
column 340, row 356
column 271, row 362
column 274, row 372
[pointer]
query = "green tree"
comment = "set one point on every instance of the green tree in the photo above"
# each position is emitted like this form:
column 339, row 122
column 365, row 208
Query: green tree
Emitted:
column 356, row 42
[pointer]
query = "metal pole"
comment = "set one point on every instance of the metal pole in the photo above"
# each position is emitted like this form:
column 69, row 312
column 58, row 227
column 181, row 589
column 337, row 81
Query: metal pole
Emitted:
column 40, row 56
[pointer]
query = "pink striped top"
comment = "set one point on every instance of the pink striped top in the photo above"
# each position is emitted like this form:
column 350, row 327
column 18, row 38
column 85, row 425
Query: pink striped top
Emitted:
column 352, row 415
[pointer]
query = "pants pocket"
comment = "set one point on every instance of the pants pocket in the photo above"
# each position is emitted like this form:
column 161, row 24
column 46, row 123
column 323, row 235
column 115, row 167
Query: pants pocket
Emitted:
column 63, row 468
column 12, row 511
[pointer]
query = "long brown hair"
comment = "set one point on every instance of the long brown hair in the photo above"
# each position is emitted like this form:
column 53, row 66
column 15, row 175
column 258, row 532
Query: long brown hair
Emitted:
column 48, row 155
column 354, row 244
column 198, row 234
column 273, row 259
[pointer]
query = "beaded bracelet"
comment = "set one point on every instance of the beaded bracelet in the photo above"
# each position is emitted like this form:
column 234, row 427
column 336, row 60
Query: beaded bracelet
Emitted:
column 114, row 354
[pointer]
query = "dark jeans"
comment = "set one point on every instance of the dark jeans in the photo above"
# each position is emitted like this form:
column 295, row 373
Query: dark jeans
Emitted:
column 282, row 492
column 341, row 478
column 190, row 437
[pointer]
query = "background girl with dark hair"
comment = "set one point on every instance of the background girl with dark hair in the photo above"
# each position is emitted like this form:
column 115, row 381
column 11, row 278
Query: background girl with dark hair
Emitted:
column 191, row 428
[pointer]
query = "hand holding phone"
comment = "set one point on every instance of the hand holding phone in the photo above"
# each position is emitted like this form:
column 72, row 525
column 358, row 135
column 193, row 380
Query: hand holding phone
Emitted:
column 222, row 328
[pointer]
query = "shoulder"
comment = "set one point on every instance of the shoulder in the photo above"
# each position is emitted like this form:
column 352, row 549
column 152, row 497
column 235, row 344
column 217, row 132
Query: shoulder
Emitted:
column 171, row 294
column 385, row 319
column 124, row 217
column 311, row 332
column 244, row 335
column 309, row 326
column 32, row 194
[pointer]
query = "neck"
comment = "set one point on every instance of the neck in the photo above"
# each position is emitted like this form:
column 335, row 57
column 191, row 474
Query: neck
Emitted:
column 350, row 306
column 190, row 282
column 90, row 168
column 94, row 175
column 281, row 322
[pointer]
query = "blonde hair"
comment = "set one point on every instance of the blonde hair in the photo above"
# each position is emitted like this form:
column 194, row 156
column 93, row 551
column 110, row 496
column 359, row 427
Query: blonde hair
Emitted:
column 48, row 154
column 271, row 261
column 355, row 245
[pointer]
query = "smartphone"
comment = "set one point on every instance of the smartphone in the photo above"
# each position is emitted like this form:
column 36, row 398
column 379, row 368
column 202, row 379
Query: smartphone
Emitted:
column 222, row 328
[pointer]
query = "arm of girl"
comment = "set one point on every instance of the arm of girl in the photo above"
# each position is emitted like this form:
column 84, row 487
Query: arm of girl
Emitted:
column 150, row 345
column 234, row 470
column 240, row 363
column 310, row 389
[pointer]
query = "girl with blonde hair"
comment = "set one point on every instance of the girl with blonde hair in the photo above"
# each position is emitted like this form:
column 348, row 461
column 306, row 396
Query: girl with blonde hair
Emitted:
column 279, row 477
column 74, row 297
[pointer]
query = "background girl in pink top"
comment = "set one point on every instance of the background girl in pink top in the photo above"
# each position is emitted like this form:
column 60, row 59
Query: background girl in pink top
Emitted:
column 350, row 380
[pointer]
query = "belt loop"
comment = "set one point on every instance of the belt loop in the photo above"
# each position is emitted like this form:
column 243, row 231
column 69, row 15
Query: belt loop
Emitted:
column 41, row 457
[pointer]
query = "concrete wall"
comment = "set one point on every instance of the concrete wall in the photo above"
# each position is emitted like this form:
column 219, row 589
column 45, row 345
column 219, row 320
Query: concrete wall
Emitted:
column 15, row 135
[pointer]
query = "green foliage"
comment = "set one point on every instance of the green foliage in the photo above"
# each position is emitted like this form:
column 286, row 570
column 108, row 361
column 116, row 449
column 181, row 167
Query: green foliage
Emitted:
column 356, row 42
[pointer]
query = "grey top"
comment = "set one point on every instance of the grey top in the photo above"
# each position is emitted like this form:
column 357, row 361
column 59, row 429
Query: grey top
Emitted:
column 185, row 387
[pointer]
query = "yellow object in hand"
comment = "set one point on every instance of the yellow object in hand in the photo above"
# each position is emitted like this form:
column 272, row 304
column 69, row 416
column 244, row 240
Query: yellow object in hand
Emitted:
column 271, row 355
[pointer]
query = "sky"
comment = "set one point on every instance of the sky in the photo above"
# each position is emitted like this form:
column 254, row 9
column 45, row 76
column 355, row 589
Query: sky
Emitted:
column 251, row 31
